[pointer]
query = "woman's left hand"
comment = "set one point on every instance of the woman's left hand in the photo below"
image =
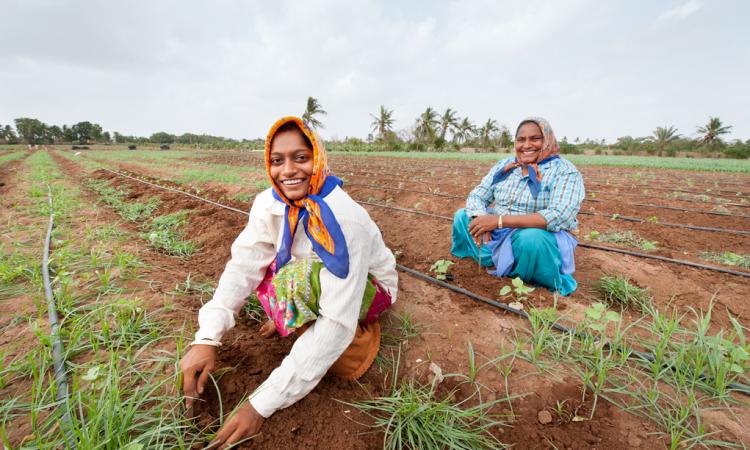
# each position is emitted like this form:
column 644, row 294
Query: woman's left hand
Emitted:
column 482, row 225
column 244, row 424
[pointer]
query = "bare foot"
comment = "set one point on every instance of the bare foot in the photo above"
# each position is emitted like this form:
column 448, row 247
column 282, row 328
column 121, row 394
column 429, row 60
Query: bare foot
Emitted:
column 268, row 329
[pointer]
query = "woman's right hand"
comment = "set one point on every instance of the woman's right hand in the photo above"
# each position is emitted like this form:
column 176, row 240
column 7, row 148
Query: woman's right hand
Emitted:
column 196, row 366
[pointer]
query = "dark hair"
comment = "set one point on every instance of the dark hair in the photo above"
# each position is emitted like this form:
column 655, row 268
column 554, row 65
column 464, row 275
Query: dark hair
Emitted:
column 292, row 126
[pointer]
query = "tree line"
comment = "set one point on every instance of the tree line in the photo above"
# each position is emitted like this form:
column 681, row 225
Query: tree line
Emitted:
column 33, row 131
column 435, row 131
column 430, row 131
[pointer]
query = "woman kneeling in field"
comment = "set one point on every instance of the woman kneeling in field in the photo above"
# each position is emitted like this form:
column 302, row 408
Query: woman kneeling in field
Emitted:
column 319, row 267
column 527, row 232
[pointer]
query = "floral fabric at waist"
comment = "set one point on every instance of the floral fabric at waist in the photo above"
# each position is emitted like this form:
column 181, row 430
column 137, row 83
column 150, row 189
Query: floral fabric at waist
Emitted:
column 290, row 297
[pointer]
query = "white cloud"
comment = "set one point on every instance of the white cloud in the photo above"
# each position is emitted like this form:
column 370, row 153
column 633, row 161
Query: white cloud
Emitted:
column 682, row 11
column 595, row 69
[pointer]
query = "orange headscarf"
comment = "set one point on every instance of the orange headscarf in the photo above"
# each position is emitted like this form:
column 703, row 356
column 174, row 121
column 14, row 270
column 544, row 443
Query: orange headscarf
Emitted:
column 321, row 226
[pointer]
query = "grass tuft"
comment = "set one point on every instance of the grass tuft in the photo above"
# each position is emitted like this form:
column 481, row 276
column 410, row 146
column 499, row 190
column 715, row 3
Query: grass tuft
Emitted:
column 728, row 258
column 627, row 238
column 617, row 291
column 164, row 233
column 412, row 418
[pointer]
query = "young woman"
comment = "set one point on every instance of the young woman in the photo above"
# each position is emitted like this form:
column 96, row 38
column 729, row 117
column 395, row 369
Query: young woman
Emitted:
column 320, row 269
column 522, row 215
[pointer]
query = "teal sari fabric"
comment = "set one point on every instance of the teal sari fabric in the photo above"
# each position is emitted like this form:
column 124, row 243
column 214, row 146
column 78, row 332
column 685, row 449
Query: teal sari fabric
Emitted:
column 535, row 251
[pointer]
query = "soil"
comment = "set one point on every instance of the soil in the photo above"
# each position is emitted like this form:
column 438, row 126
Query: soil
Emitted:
column 448, row 320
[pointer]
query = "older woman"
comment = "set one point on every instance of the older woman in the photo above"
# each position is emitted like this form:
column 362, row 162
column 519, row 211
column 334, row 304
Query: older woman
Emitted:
column 522, row 215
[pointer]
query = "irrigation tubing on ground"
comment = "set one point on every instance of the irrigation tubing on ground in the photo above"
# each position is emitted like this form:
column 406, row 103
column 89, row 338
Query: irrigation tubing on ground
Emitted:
column 57, row 350
column 665, row 224
column 613, row 216
column 596, row 247
column 665, row 259
column 555, row 325
column 166, row 188
column 437, row 216
column 675, row 208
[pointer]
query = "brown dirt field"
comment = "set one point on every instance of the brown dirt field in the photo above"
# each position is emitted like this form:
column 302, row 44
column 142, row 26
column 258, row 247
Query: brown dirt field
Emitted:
column 319, row 421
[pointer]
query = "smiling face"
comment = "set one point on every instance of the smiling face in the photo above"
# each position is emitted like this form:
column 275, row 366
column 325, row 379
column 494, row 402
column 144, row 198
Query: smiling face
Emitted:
column 291, row 163
column 529, row 142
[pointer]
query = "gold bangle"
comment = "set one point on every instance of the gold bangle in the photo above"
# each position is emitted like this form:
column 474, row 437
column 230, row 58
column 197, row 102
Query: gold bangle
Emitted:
column 499, row 221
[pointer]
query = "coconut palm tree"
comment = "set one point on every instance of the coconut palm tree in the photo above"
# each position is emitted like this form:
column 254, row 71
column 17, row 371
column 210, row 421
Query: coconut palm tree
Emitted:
column 464, row 131
column 663, row 136
column 712, row 132
column 312, row 109
column 383, row 123
column 449, row 119
column 486, row 132
column 426, row 125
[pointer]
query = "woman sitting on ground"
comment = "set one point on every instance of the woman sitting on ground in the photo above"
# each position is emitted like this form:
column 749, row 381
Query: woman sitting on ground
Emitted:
column 521, row 216
column 319, row 267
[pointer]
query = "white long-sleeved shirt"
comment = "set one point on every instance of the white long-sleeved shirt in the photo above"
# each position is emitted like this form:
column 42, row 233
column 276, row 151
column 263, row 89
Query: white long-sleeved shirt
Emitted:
column 340, row 299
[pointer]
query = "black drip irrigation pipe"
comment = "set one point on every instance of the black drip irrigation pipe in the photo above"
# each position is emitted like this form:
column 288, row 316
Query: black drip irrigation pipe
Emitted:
column 645, row 356
column 665, row 224
column 422, row 276
column 665, row 259
column 177, row 191
column 613, row 216
column 594, row 246
column 675, row 208
column 437, row 216
column 632, row 194
column 57, row 349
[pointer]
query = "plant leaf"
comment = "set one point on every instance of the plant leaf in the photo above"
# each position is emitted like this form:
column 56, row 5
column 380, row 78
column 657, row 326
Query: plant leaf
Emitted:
column 92, row 374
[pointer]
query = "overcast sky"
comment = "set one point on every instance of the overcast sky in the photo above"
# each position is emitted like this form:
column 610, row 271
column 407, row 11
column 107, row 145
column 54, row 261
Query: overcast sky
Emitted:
column 596, row 69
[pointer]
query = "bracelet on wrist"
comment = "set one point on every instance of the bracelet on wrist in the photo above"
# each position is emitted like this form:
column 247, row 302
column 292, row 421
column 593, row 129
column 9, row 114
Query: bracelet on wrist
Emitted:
column 499, row 221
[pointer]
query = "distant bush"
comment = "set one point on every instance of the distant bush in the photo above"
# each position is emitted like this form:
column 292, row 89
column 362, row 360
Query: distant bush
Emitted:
column 738, row 151
column 569, row 149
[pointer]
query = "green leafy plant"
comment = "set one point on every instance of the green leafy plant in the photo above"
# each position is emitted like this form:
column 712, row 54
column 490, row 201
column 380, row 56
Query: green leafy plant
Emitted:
column 517, row 289
column 597, row 317
column 592, row 236
column 440, row 268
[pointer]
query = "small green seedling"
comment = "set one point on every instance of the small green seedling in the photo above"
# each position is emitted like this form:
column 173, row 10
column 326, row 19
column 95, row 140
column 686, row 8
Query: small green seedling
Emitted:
column 597, row 317
column 518, row 289
column 441, row 268
column 592, row 236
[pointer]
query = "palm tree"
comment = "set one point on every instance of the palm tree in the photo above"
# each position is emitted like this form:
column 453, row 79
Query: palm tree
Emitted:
column 486, row 132
column 448, row 120
column 383, row 123
column 712, row 132
column 312, row 109
column 464, row 131
column 426, row 125
column 663, row 136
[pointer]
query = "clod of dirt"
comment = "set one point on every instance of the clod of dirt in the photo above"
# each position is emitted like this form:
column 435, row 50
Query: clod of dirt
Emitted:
column 434, row 368
column 544, row 417
column 633, row 440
